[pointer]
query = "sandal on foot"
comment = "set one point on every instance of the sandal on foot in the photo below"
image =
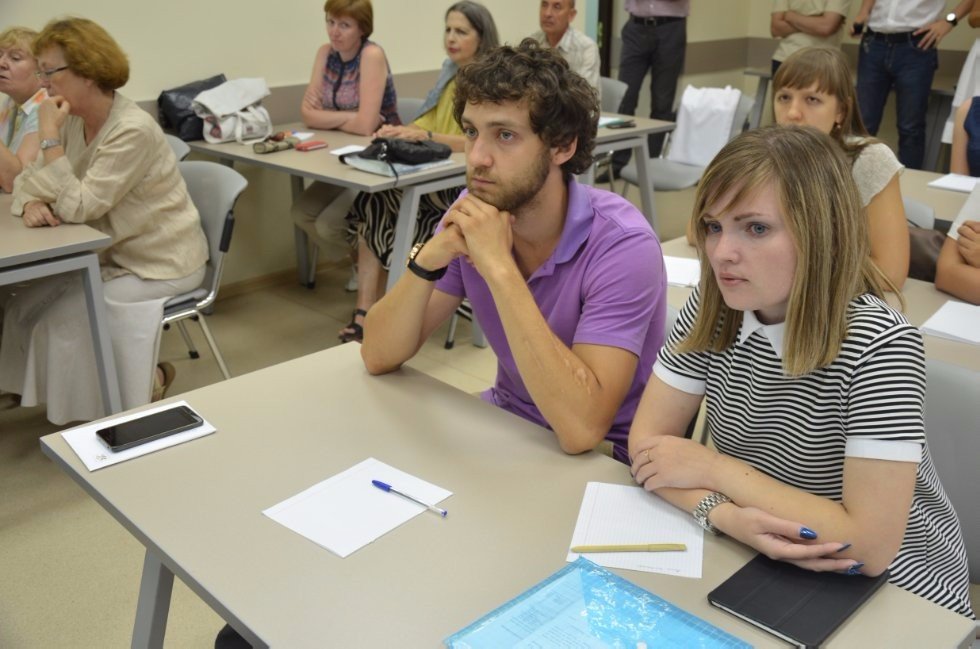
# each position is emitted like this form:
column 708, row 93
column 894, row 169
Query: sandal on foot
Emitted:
column 169, row 373
column 354, row 330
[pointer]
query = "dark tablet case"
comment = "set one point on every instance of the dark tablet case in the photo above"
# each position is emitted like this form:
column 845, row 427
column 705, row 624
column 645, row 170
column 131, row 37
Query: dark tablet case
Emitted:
column 800, row 606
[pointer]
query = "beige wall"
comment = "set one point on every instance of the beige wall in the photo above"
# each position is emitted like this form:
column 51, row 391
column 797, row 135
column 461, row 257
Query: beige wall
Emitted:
column 278, row 40
column 174, row 41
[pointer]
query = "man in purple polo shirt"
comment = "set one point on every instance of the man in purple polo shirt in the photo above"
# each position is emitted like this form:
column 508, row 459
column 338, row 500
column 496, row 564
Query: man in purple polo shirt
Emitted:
column 567, row 281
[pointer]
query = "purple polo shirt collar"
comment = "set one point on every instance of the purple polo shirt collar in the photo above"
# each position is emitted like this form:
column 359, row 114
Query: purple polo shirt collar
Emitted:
column 575, row 232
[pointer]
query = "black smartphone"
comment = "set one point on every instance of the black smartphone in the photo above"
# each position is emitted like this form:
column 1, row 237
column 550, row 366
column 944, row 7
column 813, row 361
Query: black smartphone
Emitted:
column 626, row 123
column 146, row 429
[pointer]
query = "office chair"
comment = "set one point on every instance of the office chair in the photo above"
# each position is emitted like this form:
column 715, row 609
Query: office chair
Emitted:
column 611, row 96
column 668, row 175
column 408, row 108
column 953, row 435
column 214, row 189
column 180, row 148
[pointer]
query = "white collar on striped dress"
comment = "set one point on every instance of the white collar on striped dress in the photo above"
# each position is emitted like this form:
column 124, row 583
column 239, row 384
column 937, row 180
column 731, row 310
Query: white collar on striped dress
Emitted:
column 774, row 332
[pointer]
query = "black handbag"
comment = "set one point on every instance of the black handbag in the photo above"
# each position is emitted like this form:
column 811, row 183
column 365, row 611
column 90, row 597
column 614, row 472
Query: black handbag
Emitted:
column 175, row 112
column 392, row 151
column 409, row 152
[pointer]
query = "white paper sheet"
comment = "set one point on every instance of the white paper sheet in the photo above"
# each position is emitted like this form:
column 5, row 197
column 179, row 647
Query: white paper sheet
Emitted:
column 682, row 271
column 350, row 148
column 955, row 321
column 613, row 514
column 955, row 182
column 94, row 454
column 346, row 512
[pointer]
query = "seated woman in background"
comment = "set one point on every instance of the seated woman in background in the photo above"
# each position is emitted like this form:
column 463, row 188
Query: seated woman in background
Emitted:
column 814, row 385
column 19, row 143
column 104, row 161
column 964, row 155
column 470, row 32
column 351, row 88
column 814, row 87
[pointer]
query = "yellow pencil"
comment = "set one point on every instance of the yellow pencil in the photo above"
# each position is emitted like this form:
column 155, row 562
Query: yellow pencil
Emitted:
column 639, row 547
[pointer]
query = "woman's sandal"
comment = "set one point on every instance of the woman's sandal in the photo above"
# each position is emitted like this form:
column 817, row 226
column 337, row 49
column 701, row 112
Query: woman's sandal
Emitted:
column 354, row 330
column 169, row 373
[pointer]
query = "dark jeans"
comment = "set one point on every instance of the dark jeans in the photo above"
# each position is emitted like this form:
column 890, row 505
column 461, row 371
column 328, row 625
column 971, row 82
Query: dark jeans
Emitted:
column 659, row 49
column 909, row 70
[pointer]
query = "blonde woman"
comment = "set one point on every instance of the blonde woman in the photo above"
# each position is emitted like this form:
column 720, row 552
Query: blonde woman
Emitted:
column 20, row 83
column 814, row 386
column 814, row 87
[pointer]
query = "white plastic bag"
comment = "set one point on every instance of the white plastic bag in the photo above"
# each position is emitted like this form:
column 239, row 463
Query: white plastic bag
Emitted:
column 233, row 111
column 704, row 124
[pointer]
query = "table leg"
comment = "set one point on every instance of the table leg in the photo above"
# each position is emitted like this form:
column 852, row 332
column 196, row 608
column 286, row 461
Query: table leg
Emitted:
column 154, row 604
column 404, row 230
column 300, row 237
column 755, row 117
column 104, row 360
column 641, row 157
column 939, row 106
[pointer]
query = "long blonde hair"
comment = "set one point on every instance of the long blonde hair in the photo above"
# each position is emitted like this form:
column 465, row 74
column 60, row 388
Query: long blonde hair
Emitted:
column 822, row 211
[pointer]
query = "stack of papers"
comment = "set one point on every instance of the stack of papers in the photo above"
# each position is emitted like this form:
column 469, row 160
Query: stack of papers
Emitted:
column 346, row 512
column 955, row 321
column 682, row 271
column 955, row 182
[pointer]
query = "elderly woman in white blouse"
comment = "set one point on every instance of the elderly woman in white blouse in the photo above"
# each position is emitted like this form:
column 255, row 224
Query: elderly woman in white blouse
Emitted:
column 103, row 162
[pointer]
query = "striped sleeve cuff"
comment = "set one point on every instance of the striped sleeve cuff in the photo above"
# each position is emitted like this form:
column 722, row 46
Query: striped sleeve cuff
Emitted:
column 880, row 449
column 677, row 381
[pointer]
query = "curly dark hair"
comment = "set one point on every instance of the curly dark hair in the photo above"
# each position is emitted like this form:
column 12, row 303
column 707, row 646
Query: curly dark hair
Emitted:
column 563, row 107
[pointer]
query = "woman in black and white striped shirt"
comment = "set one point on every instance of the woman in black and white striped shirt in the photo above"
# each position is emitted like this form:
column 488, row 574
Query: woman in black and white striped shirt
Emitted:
column 814, row 385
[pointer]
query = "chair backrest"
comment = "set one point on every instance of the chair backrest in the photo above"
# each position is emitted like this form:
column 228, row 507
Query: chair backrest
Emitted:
column 611, row 92
column 408, row 108
column 919, row 214
column 214, row 188
column 741, row 119
column 953, row 433
column 179, row 147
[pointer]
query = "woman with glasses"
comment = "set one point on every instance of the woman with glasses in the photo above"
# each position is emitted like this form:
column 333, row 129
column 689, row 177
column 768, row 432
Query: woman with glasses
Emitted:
column 21, row 85
column 105, row 162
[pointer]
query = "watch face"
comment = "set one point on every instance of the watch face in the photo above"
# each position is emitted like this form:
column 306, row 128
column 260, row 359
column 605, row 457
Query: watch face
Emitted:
column 951, row 17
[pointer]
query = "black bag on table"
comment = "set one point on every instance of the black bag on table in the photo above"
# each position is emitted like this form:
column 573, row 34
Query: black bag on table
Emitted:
column 409, row 152
column 175, row 112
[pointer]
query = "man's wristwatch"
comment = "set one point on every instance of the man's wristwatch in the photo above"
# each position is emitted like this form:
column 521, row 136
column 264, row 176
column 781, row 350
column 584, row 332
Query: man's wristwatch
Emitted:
column 704, row 508
column 50, row 144
column 427, row 275
column 951, row 19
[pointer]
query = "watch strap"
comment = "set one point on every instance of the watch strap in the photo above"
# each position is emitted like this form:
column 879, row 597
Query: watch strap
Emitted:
column 704, row 508
column 423, row 273
column 50, row 143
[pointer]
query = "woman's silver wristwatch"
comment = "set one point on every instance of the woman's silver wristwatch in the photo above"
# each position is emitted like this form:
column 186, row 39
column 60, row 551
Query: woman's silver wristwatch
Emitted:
column 704, row 507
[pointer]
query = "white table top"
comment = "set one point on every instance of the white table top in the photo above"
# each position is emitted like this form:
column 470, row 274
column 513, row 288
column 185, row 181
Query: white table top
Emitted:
column 23, row 245
column 324, row 166
column 515, row 503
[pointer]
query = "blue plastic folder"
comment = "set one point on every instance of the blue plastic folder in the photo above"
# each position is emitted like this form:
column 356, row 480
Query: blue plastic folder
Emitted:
column 585, row 605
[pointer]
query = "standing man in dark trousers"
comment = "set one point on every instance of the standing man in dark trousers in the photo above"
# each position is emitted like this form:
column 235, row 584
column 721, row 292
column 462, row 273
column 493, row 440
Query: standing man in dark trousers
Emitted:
column 898, row 50
column 654, row 38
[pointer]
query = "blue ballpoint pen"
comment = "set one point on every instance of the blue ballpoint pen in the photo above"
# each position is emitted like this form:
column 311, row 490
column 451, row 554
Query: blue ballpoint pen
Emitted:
column 384, row 486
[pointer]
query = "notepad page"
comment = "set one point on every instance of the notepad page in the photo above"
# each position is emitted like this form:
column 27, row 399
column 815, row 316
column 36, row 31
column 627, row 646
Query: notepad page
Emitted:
column 954, row 182
column 955, row 321
column 621, row 514
column 682, row 271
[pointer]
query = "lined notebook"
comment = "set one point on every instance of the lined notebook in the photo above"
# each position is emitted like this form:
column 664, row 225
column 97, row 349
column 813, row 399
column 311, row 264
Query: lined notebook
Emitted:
column 800, row 606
